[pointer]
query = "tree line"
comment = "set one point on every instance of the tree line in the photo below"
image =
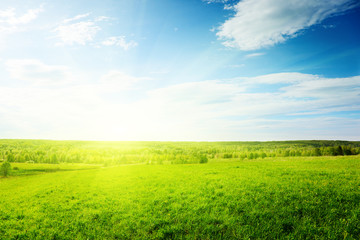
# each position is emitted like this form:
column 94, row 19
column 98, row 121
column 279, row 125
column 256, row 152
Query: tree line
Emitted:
column 113, row 153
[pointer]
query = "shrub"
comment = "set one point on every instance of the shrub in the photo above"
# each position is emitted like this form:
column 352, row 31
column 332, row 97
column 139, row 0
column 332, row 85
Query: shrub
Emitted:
column 203, row 159
column 5, row 169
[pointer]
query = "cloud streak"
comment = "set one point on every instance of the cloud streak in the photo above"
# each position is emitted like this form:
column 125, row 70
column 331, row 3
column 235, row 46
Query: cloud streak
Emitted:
column 77, row 17
column 252, row 55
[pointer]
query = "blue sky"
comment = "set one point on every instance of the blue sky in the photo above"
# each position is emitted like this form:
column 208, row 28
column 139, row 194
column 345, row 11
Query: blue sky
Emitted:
column 180, row 70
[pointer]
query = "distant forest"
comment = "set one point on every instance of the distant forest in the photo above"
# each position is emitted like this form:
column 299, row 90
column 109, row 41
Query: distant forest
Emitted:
column 114, row 153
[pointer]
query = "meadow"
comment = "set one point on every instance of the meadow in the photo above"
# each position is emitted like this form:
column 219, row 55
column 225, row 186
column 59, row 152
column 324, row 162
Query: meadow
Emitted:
column 228, row 196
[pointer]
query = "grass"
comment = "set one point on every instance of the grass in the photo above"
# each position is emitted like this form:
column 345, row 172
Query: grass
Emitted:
column 19, row 169
column 274, row 198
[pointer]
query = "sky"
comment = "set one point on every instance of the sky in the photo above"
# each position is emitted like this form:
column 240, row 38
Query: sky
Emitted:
column 180, row 70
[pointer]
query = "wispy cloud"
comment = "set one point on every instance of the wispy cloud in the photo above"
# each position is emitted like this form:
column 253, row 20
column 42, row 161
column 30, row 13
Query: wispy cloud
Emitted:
column 300, row 93
column 263, row 23
column 11, row 22
column 215, row 1
column 228, row 4
column 119, row 41
column 77, row 17
column 245, row 107
column 251, row 55
column 9, row 16
column 83, row 29
column 102, row 18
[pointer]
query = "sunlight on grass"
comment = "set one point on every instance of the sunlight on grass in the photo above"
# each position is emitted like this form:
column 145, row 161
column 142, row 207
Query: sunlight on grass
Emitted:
column 274, row 198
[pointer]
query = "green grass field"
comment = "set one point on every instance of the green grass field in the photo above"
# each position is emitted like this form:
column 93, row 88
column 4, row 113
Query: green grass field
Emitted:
column 271, row 198
column 19, row 169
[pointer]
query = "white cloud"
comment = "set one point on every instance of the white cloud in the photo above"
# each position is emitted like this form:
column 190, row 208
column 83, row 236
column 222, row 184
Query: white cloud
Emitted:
column 8, row 16
column 303, row 107
column 11, row 22
column 77, row 33
column 303, row 93
column 233, row 110
column 286, row 77
column 263, row 23
column 35, row 72
column 119, row 41
column 82, row 30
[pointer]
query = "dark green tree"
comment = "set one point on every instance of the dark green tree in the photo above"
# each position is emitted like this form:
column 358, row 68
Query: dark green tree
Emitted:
column 203, row 159
column 339, row 150
column 5, row 169
column 10, row 157
column 317, row 152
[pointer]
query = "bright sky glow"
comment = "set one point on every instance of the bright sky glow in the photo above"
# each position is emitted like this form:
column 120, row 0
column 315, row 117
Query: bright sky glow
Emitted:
column 180, row 70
